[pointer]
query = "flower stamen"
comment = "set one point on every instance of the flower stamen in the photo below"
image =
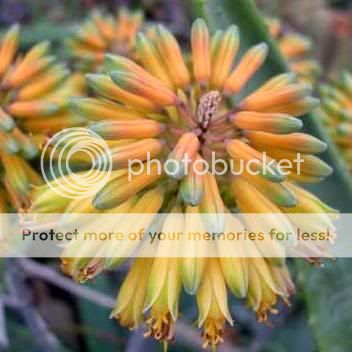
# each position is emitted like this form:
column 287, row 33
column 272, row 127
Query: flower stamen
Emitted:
column 208, row 108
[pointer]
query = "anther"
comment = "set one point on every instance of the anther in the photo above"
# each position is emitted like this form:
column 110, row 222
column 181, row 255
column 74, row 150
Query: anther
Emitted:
column 208, row 108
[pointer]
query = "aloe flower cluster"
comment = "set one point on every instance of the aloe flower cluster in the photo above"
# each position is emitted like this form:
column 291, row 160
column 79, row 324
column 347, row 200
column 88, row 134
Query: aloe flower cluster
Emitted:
column 168, row 108
column 101, row 34
column 34, row 92
column 297, row 49
column 336, row 111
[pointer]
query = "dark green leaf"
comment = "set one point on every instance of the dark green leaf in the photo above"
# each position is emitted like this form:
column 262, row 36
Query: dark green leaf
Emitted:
column 328, row 292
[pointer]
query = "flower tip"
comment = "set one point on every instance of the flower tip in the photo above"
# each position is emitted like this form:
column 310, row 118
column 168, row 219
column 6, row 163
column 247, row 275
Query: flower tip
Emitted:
column 7, row 124
column 291, row 76
column 118, row 73
column 95, row 128
column 160, row 27
column 53, row 108
column 112, row 61
column 140, row 38
column 273, row 175
column 262, row 47
column 109, row 56
column 14, row 29
column 96, row 81
column 12, row 147
column 91, row 77
column 162, row 31
column 44, row 46
column 189, row 289
column 199, row 23
column 233, row 29
column 30, row 151
column 328, row 170
column 120, row 78
column 342, row 129
column 299, row 123
column 289, row 202
column 323, row 146
column 99, row 203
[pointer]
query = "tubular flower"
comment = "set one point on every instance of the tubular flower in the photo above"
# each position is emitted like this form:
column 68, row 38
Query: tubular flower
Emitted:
column 336, row 111
column 297, row 49
column 102, row 34
column 132, row 295
column 212, row 305
column 34, row 90
column 173, row 112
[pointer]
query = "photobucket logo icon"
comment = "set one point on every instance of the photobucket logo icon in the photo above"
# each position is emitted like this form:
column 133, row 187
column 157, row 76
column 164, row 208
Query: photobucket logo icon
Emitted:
column 76, row 145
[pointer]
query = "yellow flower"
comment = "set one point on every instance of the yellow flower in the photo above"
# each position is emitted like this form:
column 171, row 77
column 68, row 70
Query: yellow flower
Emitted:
column 130, row 301
column 34, row 91
column 102, row 34
column 297, row 49
column 172, row 111
column 336, row 111
column 212, row 305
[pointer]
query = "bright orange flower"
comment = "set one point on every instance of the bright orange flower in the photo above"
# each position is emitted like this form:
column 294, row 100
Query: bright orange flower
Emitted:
column 336, row 111
column 34, row 91
column 171, row 110
column 297, row 49
column 102, row 34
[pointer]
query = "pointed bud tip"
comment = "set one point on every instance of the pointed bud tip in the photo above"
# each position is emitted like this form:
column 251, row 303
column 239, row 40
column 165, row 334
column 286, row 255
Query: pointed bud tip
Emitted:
column 93, row 76
column 99, row 204
column 263, row 47
column 199, row 22
column 14, row 29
